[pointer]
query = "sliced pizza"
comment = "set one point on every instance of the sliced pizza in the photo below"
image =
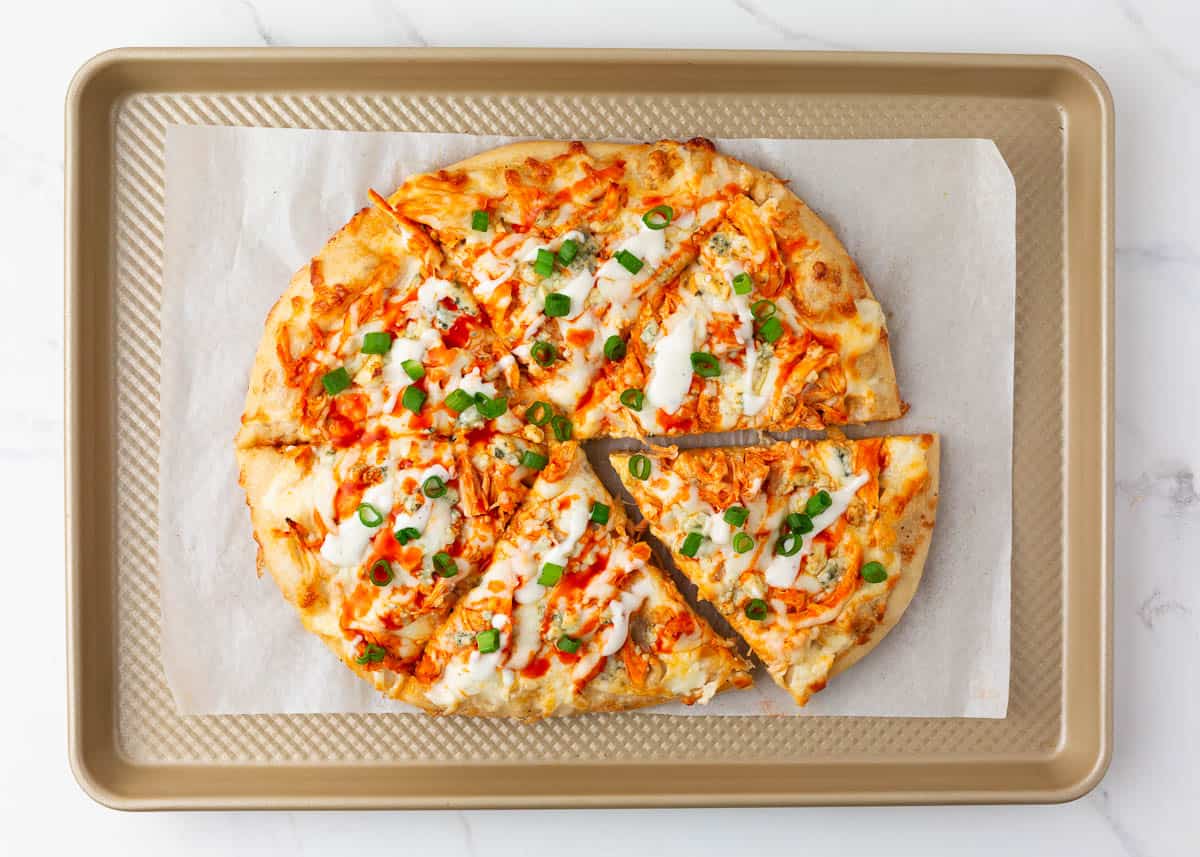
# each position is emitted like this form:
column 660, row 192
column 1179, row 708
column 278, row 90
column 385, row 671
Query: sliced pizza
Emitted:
column 375, row 338
column 372, row 544
column 811, row 549
column 571, row 616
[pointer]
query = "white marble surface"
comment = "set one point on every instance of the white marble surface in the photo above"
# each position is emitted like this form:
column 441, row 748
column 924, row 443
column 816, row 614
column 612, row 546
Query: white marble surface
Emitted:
column 1146, row 805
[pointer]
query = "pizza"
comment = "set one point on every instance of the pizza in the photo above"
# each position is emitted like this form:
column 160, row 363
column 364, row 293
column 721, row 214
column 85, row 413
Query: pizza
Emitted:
column 571, row 616
column 811, row 550
column 408, row 444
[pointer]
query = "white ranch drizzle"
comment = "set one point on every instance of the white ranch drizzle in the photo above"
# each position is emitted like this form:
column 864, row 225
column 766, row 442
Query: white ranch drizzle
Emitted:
column 782, row 571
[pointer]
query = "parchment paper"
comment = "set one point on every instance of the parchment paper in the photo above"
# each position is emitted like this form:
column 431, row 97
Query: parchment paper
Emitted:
column 931, row 224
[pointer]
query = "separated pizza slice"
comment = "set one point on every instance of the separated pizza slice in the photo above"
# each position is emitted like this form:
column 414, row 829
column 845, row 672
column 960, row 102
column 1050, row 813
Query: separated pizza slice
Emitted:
column 376, row 336
column 571, row 616
column 771, row 327
column 560, row 243
column 374, row 543
column 811, row 549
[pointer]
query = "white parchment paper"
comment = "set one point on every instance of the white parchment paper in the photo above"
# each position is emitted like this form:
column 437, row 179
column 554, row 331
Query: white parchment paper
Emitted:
column 931, row 223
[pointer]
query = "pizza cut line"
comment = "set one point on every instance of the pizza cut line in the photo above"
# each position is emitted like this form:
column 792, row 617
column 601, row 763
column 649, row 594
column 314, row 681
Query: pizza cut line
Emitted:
column 408, row 442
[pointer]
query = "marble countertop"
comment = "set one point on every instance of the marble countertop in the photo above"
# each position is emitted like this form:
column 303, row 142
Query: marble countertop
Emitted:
column 1146, row 51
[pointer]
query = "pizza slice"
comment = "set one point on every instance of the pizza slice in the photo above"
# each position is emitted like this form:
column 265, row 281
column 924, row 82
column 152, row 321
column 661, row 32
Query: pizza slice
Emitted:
column 771, row 327
column 811, row 549
column 571, row 616
column 374, row 543
column 376, row 337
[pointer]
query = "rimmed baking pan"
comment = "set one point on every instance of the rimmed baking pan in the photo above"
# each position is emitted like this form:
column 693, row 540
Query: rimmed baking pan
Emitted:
column 1051, row 118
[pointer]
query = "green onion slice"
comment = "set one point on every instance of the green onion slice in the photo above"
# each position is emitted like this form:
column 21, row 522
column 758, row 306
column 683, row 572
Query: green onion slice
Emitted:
column 735, row 516
column 763, row 309
column 557, row 305
column 629, row 262
column 789, row 544
column 479, row 221
column 377, row 343
column 544, row 266
column 874, row 572
column 543, row 353
column 404, row 535
column 539, row 413
column 533, row 460
column 413, row 369
column 562, row 427
column 818, row 503
column 742, row 543
column 567, row 251
column 567, row 644
column 459, row 401
column 633, row 399
column 639, row 467
column 800, row 523
column 490, row 408
column 413, row 398
column 742, row 284
column 373, row 654
column 770, row 330
column 434, row 487
column 756, row 609
column 369, row 515
column 659, row 217
column 691, row 544
column 599, row 513
column 381, row 572
column 336, row 381
column 487, row 641
column 552, row 572
column 614, row 348
column 705, row 365
column 445, row 564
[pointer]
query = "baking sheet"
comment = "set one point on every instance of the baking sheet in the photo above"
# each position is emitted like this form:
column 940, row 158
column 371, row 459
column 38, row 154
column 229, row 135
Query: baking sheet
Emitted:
column 245, row 207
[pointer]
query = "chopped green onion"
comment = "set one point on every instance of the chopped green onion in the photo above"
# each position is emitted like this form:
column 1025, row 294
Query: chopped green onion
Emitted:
column 369, row 515
column 490, row 408
column 373, row 654
column 743, row 543
column 533, row 460
column 567, row 644
column 691, row 544
column 874, row 572
column 770, row 330
column 404, row 535
column 614, row 348
column 336, row 381
column 479, row 221
column 705, row 365
column 434, row 487
column 763, row 309
column 599, row 513
column 789, row 544
column 413, row 398
column 735, row 516
column 377, row 343
column 459, row 401
column 756, row 609
column 552, row 572
column 818, row 503
column 413, row 369
column 562, row 427
column 557, row 304
column 742, row 284
column 539, row 413
column 633, row 399
column 445, row 563
column 487, row 641
column 543, row 353
column 381, row 572
column 659, row 217
column 798, row 522
column 567, row 251
column 639, row 466
column 544, row 266
column 629, row 262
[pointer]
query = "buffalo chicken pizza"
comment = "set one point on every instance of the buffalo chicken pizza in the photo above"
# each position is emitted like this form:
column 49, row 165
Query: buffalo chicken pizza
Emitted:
column 408, row 432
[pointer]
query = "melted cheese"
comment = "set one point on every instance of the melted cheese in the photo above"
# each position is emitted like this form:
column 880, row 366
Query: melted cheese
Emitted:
column 783, row 569
column 431, row 291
